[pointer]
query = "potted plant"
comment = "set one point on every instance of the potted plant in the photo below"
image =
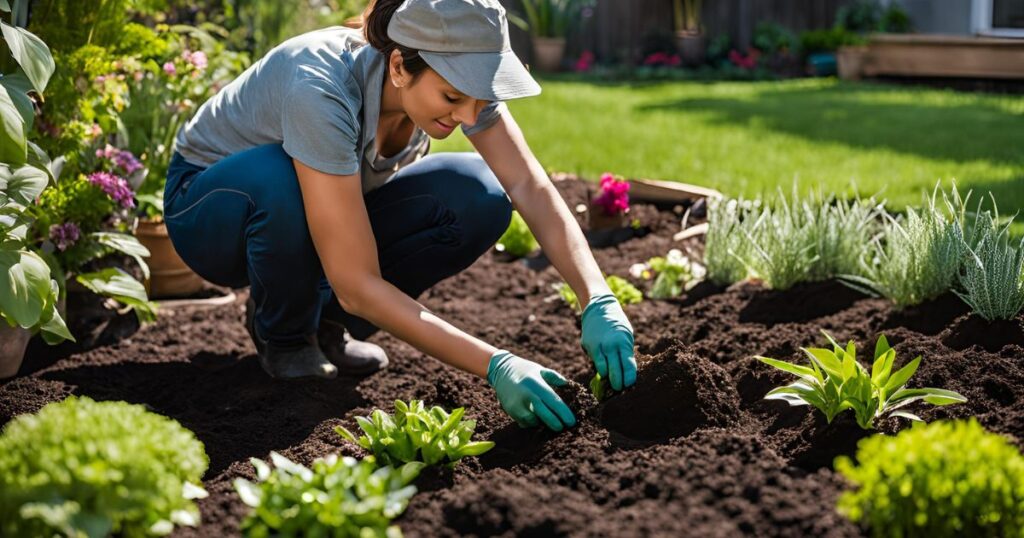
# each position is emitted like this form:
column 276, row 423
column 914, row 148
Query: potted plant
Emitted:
column 690, row 38
column 609, row 208
column 548, row 23
column 29, row 295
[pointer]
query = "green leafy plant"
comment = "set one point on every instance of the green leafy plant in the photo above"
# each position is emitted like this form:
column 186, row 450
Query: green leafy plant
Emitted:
column 341, row 497
column 992, row 276
column 835, row 382
column 945, row 479
column 549, row 18
column 675, row 272
column 916, row 258
column 415, row 433
column 85, row 468
column 623, row 291
column 517, row 240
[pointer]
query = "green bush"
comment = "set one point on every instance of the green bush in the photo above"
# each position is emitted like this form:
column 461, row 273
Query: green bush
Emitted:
column 517, row 240
column 815, row 41
column 86, row 468
column 944, row 479
column 340, row 497
column 416, row 434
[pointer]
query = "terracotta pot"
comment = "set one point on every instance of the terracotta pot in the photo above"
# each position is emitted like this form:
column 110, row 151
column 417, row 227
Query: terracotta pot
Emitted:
column 13, row 341
column 169, row 276
column 692, row 48
column 548, row 53
column 599, row 220
column 850, row 62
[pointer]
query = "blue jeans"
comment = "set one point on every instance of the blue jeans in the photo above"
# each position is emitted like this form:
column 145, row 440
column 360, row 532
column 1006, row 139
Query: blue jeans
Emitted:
column 241, row 222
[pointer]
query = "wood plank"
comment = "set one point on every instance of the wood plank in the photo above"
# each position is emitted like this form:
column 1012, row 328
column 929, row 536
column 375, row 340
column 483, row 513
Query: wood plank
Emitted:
column 656, row 190
column 936, row 56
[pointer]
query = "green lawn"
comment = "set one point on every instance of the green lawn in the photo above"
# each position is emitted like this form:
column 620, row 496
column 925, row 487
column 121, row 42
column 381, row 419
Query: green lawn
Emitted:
column 747, row 138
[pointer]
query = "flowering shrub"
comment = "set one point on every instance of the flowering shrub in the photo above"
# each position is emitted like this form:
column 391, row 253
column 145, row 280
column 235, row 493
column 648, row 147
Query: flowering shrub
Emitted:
column 614, row 195
column 745, row 61
column 675, row 273
column 662, row 59
column 585, row 62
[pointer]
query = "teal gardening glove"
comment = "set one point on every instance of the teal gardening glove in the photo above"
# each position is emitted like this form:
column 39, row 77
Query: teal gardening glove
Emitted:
column 608, row 339
column 525, row 393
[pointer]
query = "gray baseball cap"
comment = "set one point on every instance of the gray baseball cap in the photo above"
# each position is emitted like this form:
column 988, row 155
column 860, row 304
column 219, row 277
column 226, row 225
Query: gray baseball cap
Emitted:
column 466, row 42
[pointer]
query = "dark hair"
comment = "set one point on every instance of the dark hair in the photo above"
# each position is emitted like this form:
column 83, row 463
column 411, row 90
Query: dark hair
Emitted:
column 374, row 23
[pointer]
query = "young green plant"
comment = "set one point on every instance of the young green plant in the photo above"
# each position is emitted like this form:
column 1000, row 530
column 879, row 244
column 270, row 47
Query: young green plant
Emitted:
column 337, row 497
column 675, row 274
column 623, row 291
column 415, row 433
column 517, row 240
column 835, row 382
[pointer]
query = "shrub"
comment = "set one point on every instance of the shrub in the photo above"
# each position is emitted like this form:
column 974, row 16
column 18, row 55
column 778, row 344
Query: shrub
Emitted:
column 80, row 467
column 915, row 258
column 836, row 382
column 945, row 479
column 341, row 497
column 517, row 240
column 623, row 291
column 416, row 434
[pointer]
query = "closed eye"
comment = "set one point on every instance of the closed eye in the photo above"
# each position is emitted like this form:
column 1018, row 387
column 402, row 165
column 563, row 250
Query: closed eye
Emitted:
column 451, row 99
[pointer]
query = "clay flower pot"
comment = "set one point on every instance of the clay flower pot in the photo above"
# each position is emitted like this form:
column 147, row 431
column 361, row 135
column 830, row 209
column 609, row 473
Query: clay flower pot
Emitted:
column 600, row 220
column 13, row 341
column 548, row 53
column 692, row 48
column 169, row 276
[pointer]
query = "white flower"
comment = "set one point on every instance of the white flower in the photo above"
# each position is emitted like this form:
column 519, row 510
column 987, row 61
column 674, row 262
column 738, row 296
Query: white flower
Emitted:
column 637, row 270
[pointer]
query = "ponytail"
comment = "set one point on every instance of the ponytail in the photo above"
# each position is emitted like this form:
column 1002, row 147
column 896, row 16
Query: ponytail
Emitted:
column 374, row 22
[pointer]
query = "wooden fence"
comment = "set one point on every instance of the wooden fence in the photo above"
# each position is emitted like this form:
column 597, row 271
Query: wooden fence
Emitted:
column 619, row 30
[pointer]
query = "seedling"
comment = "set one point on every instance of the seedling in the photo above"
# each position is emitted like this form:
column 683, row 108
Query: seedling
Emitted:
column 416, row 434
column 623, row 291
column 675, row 274
column 517, row 240
column 835, row 382
column 337, row 497
column 600, row 387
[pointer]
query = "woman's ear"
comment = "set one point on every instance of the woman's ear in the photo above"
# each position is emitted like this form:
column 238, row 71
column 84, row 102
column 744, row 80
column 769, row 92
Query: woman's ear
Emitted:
column 396, row 69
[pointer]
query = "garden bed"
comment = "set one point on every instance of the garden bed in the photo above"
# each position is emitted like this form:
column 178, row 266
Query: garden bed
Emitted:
column 693, row 449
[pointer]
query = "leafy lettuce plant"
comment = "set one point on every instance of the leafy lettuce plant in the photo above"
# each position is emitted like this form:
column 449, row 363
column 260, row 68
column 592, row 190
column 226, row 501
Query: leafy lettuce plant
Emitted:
column 85, row 468
column 517, row 240
column 675, row 274
column 835, row 382
column 945, row 479
column 623, row 291
column 415, row 433
column 337, row 497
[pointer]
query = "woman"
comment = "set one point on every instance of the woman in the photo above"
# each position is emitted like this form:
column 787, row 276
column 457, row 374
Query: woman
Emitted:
column 307, row 179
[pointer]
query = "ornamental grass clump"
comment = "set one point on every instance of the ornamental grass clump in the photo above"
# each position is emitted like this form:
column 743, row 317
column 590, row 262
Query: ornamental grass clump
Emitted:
column 86, row 468
column 341, row 497
column 835, row 382
column 416, row 434
column 915, row 258
column 992, row 278
column 517, row 240
column 945, row 479
column 623, row 291
column 725, row 244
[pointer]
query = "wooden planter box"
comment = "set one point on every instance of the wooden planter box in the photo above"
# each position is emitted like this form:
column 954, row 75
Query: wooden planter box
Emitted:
column 925, row 55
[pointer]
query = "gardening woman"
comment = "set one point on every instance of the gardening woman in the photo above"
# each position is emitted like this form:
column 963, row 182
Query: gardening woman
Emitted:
column 307, row 179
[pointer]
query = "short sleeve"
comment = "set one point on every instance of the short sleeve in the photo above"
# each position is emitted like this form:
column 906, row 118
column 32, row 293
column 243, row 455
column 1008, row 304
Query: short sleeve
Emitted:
column 320, row 126
column 488, row 116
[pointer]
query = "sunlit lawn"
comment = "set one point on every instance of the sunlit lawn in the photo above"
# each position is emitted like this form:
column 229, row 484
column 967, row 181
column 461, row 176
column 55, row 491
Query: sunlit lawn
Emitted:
column 748, row 138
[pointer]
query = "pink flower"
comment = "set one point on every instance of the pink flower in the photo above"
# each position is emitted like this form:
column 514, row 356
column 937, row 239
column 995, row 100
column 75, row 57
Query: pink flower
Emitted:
column 95, row 130
column 120, row 158
column 614, row 197
column 100, row 79
column 585, row 61
column 748, row 61
column 115, row 187
column 170, row 69
column 138, row 75
column 64, row 235
column 198, row 60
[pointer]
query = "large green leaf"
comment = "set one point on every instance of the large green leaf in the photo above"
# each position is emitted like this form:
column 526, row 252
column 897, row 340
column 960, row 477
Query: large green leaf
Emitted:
column 4, row 6
column 18, row 86
column 24, row 184
column 31, row 53
column 902, row 375
column 125, row 244
column 53, row 329
column 122, row 287
column 12, row 131
column 24, row 286
column 794, row 369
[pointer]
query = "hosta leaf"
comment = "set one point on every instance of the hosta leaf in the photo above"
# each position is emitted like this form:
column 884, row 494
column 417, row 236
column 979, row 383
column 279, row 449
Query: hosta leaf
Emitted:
column 31, row 53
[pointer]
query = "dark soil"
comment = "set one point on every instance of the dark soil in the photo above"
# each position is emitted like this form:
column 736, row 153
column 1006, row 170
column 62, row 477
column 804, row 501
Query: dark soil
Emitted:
column 692, row 449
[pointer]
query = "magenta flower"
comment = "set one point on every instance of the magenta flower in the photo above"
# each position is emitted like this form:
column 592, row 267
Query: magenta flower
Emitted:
column 614, row 197
column 115, row 187
column 64, row 235
column 585, row 61
column 170, row 69
column 121, row 158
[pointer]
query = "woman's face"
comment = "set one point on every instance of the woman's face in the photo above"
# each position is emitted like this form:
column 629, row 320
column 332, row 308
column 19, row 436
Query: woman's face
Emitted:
column 434, row 105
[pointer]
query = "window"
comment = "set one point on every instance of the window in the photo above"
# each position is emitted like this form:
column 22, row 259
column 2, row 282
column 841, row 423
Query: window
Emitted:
column 1003, row 18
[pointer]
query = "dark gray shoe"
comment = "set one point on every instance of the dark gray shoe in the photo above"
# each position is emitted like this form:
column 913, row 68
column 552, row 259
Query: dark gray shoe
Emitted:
column 303, row 361
column 351, row 356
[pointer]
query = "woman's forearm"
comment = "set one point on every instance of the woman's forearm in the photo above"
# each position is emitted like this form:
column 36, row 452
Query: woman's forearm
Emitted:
column 387, row 307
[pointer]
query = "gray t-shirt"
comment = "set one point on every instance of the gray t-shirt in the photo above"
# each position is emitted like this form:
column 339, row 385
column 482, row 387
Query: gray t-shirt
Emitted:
column 317, row 93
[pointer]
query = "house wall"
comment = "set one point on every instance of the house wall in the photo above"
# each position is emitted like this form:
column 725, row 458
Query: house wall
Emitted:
column 940, row 16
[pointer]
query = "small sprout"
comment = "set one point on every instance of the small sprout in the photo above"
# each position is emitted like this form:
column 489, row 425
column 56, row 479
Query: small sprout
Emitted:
column 623, row 291
column 599, row 387
column 676, row 274
column 517, row 240
column 337, row 497
column 416, row 434
column 836, row 382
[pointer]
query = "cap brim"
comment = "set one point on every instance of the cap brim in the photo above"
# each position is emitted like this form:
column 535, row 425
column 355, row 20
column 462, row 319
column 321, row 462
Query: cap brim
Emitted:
column 490, row 76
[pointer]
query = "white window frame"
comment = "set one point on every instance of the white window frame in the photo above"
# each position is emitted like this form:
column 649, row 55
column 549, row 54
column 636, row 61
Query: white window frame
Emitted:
column 981, row 21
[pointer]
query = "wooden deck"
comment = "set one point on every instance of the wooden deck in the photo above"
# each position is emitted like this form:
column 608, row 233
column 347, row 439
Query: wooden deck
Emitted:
column 929, row 55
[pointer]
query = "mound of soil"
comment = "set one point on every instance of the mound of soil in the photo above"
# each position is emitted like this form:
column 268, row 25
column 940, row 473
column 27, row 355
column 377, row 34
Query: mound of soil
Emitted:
column 692, row 449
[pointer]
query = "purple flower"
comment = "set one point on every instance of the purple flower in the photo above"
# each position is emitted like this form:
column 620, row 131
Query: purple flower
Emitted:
column 121, row 158
column 115, row 187
column 170, row 69
column 64, row 235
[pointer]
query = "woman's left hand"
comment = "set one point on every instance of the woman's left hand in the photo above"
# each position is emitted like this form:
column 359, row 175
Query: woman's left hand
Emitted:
column 608, row 339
